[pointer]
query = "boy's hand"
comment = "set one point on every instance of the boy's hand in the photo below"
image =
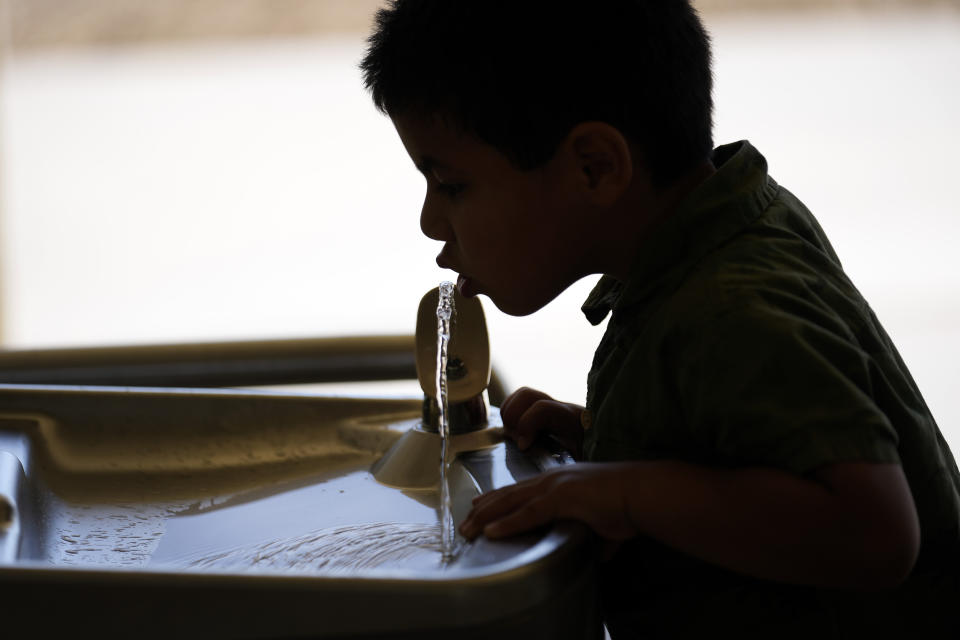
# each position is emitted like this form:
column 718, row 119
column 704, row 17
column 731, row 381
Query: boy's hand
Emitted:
column 844, row 525
column 528, row 412
column 590, row 493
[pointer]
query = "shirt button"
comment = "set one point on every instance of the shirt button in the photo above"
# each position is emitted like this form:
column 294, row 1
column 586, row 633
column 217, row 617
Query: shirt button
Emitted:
column 586, row 420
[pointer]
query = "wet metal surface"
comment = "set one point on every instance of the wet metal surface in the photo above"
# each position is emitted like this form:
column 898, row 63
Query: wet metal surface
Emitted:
column 147, row 495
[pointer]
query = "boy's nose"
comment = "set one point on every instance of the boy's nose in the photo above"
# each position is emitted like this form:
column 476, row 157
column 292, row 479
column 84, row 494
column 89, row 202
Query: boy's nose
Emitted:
column 432, row 222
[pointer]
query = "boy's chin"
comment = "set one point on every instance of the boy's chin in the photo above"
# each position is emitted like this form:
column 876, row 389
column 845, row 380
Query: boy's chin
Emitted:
column 519, row 307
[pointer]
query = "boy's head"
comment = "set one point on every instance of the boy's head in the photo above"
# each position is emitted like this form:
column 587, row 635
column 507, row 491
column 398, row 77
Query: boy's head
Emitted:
column 519, row 74
column 515, row 78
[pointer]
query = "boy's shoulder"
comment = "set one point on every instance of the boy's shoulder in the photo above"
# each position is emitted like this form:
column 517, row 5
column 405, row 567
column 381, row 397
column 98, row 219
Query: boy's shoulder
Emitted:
column 736, row 231
column 778, row 270
column 740, row 248
column 737, row 328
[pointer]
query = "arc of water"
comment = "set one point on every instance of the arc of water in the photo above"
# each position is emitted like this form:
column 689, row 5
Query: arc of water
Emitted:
column 444, row 315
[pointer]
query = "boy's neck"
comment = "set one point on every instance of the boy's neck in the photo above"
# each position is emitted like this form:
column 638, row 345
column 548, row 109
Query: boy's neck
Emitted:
column 654, row 206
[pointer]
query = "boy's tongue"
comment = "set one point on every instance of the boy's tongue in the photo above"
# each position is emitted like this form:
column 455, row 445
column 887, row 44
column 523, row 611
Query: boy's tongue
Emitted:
column 465, row 287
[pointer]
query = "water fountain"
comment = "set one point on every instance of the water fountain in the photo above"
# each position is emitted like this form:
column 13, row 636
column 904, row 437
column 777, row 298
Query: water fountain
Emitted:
column 227, row 513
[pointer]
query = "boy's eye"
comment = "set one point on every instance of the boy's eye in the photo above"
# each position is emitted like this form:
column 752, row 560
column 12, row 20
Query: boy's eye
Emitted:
column 449, row 189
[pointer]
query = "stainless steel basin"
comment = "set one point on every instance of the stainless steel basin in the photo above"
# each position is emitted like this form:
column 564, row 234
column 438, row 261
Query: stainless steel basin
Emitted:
column 188, row 513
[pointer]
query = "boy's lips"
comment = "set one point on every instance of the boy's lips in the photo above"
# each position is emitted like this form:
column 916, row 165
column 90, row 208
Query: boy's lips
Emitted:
column 465, row 284
column 443, row 261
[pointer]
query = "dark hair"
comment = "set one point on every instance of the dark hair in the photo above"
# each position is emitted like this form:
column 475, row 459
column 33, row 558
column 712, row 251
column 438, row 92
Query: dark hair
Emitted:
column 520, row 74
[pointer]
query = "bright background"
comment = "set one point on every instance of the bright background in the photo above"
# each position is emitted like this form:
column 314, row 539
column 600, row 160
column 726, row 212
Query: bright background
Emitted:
column 192, row 188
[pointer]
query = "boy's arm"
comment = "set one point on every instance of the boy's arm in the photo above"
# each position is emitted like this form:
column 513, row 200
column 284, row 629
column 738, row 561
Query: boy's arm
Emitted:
column 845, row 525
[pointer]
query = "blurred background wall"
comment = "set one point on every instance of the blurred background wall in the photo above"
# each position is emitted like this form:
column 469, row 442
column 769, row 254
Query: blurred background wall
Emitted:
column 70, row 23
column 180, row 170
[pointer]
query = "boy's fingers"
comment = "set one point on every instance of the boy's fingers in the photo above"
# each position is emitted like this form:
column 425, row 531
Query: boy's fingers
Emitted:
column 491, row 506
column 506, row 404
column 483, row 497
column 545, row 415
column 532, row 421
column 517, row 404
column 529, row 516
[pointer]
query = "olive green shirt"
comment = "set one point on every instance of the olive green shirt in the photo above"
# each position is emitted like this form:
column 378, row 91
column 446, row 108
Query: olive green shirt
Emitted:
column 738, row 340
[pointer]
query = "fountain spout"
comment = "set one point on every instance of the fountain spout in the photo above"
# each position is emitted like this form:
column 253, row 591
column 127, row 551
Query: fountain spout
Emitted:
column 412, row 461
column 468, row 364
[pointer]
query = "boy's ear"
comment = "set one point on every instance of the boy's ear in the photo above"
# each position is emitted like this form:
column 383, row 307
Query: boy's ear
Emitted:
column 602, row 160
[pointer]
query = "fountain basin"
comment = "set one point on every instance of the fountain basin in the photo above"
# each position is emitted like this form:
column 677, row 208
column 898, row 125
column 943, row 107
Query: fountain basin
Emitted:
column 189, row 513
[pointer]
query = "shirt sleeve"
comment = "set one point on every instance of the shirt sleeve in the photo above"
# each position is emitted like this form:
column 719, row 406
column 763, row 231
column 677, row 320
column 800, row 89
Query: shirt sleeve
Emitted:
column 763, row 387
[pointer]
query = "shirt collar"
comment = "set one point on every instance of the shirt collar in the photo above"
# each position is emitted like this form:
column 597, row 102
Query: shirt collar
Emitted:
column 715, row 210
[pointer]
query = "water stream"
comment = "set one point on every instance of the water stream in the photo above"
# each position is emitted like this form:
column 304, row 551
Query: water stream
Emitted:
column 444, row 315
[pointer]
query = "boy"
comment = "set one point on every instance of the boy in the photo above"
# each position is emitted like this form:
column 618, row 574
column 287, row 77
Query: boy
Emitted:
column 758, row 456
